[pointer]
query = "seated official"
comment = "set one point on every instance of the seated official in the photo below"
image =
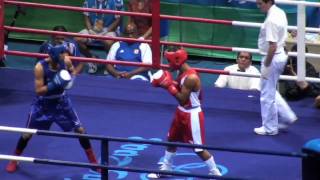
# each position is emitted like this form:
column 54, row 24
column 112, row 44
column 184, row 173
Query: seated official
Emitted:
column 132, row 52
column 244, row 64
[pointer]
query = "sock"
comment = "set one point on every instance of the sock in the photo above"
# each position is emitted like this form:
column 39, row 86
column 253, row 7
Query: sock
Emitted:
column 17, row 152
column 85, row 143
column 21, row 145
column 211, row 163
column 168, row 157
column 91, row 156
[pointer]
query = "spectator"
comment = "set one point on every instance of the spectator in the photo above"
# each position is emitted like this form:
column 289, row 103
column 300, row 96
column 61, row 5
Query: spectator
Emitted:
column 99, row 24
column 244, row 64
column 73, row 48
column 130, row 51
column 296, row 90
column 143, row 23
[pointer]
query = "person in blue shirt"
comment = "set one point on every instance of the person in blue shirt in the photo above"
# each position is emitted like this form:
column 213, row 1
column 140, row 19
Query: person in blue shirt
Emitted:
column 99, row 24
column 130, row 51
column 72, row 46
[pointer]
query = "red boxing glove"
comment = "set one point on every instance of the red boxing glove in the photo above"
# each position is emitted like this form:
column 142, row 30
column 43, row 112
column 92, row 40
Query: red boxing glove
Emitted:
column 164, row 79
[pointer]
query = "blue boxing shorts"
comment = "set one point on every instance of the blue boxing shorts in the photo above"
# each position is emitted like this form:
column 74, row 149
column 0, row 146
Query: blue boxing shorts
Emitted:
column 57, row 108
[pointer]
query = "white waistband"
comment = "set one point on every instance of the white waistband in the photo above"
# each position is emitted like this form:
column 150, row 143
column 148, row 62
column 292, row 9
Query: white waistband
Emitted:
column 194, row 109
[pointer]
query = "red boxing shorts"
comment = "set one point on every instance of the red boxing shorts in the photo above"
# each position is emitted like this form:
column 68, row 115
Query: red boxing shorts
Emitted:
column 188, row 126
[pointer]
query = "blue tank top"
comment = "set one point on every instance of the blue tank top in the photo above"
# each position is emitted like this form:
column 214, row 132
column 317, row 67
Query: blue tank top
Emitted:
column 49, row 74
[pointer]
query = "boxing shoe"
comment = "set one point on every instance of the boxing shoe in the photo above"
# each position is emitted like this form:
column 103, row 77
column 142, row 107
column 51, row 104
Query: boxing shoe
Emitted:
column 163, row 167
column 284, row 125
column 215, row 172
column 262, row 131
column 12, row 166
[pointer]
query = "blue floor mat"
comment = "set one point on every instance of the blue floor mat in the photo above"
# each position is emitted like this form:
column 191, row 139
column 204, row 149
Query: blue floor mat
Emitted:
column 130, row 109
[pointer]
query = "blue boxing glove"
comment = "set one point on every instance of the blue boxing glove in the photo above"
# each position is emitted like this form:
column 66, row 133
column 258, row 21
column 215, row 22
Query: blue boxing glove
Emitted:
column 60, row 80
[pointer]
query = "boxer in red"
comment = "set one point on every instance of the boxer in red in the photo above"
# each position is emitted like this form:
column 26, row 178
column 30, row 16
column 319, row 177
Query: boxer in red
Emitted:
column 188, row 122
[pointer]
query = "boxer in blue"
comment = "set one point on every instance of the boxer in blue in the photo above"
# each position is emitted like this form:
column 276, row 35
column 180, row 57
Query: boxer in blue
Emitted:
column 51, row 104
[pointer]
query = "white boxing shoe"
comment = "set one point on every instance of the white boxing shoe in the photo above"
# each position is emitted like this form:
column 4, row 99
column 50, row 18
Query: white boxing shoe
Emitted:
column 262, row 131
column 285, row 125
column 215, row 172
column 163, row 167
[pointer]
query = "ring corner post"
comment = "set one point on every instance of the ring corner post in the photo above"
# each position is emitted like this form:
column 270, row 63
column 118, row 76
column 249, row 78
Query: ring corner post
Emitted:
column 1, row 29
column 155, row 33
column 301, row 25
column 105, row 158
column 311, row 162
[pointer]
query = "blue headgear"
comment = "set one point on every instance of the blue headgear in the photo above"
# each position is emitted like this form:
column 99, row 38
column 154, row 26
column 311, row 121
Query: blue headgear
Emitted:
column 55, row 51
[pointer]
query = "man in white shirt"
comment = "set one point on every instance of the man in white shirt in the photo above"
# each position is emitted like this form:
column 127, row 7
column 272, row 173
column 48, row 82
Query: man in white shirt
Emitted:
column 244, row 64
column 275, row 111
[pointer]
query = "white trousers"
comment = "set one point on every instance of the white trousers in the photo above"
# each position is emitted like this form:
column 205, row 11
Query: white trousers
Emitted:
column 274, row 109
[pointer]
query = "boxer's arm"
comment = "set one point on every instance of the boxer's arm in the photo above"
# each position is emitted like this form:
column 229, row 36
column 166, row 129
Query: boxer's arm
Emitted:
column 40, row 87
column 70, row 66
column 191, row 83
column 72, row 69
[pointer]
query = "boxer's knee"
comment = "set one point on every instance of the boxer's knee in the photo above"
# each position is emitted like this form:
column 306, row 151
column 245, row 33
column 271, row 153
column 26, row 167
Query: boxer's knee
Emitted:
column 80, row 130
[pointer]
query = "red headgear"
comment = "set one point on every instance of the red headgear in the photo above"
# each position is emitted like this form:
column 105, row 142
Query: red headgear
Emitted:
column 177, row 58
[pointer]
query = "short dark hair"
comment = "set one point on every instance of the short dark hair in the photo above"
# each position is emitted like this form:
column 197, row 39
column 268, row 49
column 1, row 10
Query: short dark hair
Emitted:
column 60, row 28
column 250, row 55
column 266, row 1
column 173, row 48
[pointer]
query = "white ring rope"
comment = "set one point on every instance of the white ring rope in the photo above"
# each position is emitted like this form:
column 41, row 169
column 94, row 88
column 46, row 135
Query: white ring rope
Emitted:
column 16, row 158
column 293, row 2
column 15, row 129
column 282, row 77
column 258, row 25
column 301, row 76
column 256, row 51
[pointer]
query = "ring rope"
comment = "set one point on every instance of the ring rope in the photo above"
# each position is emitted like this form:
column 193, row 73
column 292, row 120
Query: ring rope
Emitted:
column 170, row 17
column 108, row 167
column 74, row 8
column 57, row 162
column 190, row 45
column 202, row 70
column 186, row 145
column 290, row 2
column 223, row 48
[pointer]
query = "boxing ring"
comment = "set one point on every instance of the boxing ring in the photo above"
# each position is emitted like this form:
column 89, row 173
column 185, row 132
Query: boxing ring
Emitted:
column 136, row 116
column 103, row 104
